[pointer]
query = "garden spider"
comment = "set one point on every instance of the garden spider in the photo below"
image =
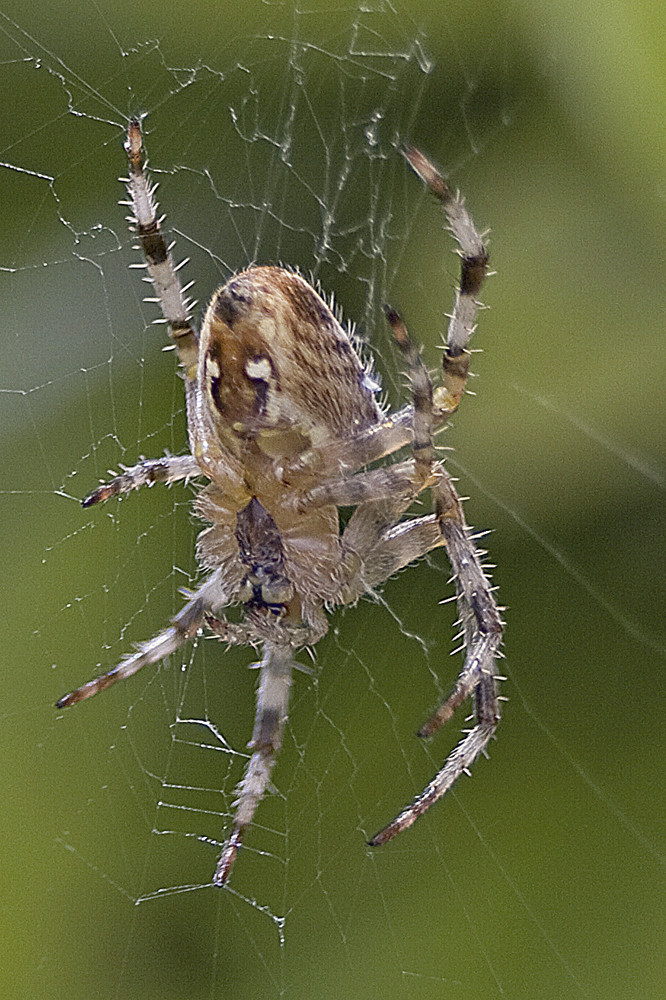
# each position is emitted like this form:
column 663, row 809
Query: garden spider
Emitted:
column 283, row 422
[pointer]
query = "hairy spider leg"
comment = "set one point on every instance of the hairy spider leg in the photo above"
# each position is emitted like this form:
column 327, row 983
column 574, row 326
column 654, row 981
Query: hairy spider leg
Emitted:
column 184, row 626
column 271, row 714
column 479, row 614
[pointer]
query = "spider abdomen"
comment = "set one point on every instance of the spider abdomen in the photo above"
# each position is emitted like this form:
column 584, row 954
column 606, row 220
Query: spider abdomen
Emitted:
column 276, row 361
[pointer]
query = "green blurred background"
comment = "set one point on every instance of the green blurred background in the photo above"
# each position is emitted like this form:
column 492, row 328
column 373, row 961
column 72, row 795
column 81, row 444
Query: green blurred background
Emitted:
column 541, row 877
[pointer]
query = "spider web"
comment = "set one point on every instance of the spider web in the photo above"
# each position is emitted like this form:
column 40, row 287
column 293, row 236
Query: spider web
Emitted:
column 274, row 137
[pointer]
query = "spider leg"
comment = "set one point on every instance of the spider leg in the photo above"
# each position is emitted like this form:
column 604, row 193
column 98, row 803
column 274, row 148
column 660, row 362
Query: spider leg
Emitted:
column 475, row 594
column 480, row 617
column 423, row 448
column 169, row 469
column 395, row 483
column 473, row 270
column 458, row 762
column 415, row 424
column 372, row 552
column 402, row 481
column 381, row 545
column 482, row 626
column 162, row 273
column 262, row 626
column 184, row 626
column 348, row 454
column 272, row 703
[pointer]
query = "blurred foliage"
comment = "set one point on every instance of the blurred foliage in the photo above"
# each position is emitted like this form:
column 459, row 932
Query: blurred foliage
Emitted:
column 544, row 875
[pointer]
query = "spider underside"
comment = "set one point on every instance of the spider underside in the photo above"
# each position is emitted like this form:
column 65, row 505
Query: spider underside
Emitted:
column 284, row 424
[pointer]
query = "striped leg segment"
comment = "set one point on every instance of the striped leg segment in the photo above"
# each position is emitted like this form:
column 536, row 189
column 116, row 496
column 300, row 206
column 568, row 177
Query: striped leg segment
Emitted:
column 272, row 704
column 422, row 395
column 473, row 270
column 161, row 269
column 482, row 629
column 184, row 627
column 170, row 469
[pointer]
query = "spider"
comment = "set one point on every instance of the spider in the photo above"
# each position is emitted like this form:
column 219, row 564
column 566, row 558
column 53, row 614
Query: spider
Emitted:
column 284, row 424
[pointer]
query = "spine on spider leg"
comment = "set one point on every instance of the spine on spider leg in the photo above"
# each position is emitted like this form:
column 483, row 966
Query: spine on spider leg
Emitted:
column 482, row 628
column 272, row 704
column 162, row 272
column 473, row 270
column 482, row 625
